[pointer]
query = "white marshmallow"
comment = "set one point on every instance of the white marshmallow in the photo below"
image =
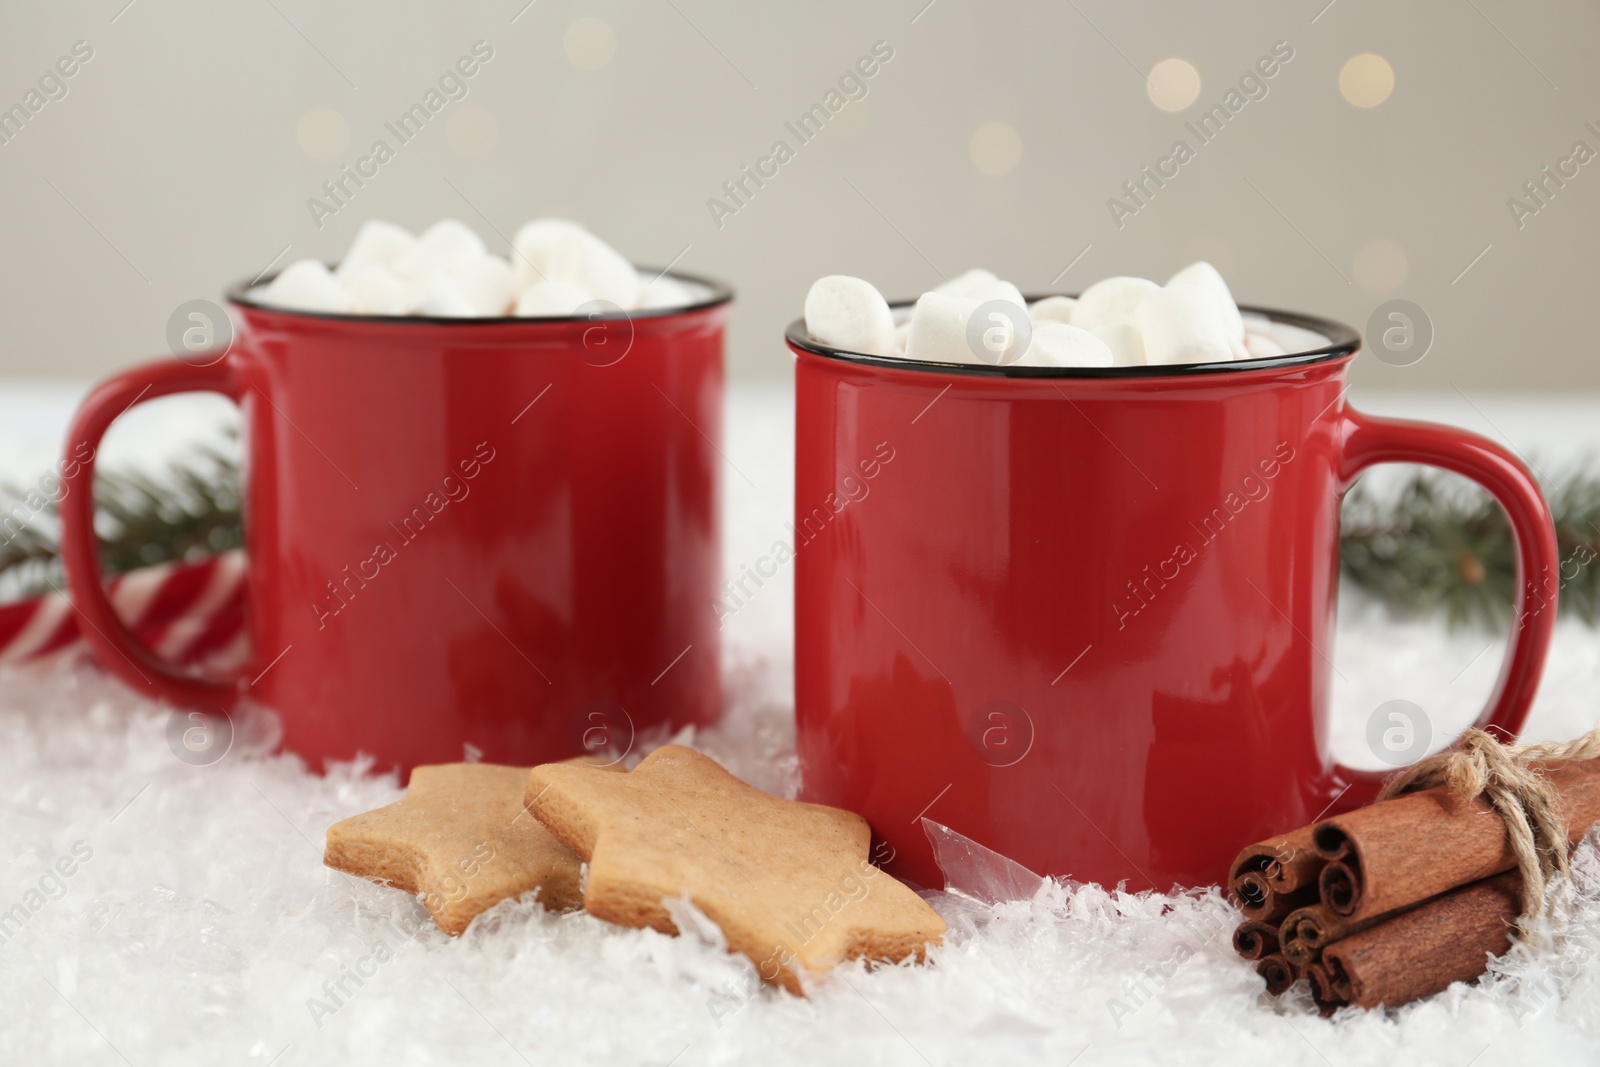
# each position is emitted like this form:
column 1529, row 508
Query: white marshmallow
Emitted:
column 552, row 299
column 1260, row 346
column 1059, row 344
column 664, row 292
column 559, row 250
column 1001, row 335
column 981, row 285
column 485, row 281
column 998, row 289
column 963, row 284
column 377, row 244
column 1127, row 347
column 607, row 273
column 1205, row 276
column 307, row 285
column 850, row 313
column 1183, row 324
column 902, row 332
column 1113, row 302
column 1294, row 339
column 938, row 332
column 1007, row 346
column 447, row 245
column 1052, row 309
column 374, row 290
column 546, row 250
column 443, row 298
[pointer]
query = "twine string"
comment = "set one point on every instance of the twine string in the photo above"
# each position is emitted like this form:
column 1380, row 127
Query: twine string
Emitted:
column 1510, row 779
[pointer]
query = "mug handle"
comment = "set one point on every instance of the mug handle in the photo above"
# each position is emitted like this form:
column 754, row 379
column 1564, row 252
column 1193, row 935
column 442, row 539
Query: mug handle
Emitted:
column 119, row 651
column 1369, row 440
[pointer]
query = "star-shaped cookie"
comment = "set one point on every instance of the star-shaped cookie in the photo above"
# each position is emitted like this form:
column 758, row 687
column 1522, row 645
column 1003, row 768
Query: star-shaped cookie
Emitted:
column 790, row 884
column 460, row 840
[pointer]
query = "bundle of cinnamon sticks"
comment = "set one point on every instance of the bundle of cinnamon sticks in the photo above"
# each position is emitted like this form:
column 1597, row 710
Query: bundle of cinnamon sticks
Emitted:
column 1394, row 901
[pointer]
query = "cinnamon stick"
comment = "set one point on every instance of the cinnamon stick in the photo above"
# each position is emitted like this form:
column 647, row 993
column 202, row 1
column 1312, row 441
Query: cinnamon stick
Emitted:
column 1402, row 851
column 1255, row 941
column 1271, row 878
column 1327, row 999
column 1286, row 863
column 1422, row 951
column 1306, row 931
column 1278, row 972
column 1260, row 903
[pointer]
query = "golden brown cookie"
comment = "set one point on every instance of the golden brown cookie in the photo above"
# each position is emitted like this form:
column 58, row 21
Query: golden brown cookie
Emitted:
column 789, row 883
column 460, row 840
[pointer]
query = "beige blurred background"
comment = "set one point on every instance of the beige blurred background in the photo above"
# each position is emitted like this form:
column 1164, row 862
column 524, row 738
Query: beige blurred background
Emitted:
column 1378, row 165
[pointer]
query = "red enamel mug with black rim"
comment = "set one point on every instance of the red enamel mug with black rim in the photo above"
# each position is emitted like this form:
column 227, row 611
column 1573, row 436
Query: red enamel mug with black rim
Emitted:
column 1085, row 617
column 496, row 533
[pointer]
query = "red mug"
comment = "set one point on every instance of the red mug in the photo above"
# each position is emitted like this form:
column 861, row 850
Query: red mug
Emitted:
column 496, row 533
column 1084, row 617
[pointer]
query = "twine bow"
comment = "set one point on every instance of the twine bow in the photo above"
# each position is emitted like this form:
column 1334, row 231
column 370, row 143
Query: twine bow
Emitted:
column 1507, row 776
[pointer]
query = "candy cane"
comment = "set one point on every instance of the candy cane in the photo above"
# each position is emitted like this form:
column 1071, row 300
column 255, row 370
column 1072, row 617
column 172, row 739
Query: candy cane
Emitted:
column 187, row 613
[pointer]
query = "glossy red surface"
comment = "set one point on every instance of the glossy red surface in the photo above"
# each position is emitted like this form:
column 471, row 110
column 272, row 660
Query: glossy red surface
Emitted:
column 1087, row 622
column 458, row 533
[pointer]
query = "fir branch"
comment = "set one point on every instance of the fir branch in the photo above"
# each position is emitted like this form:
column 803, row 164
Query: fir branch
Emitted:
column 189, row 511
column 1441, row 547
column 28, row 555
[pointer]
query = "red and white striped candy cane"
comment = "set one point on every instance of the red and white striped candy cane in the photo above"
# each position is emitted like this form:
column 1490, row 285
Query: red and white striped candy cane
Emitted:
column 188, row 613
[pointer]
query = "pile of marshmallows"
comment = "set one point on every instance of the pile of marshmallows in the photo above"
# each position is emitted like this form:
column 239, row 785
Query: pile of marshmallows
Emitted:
column 1119, row 322
column 556, row 268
